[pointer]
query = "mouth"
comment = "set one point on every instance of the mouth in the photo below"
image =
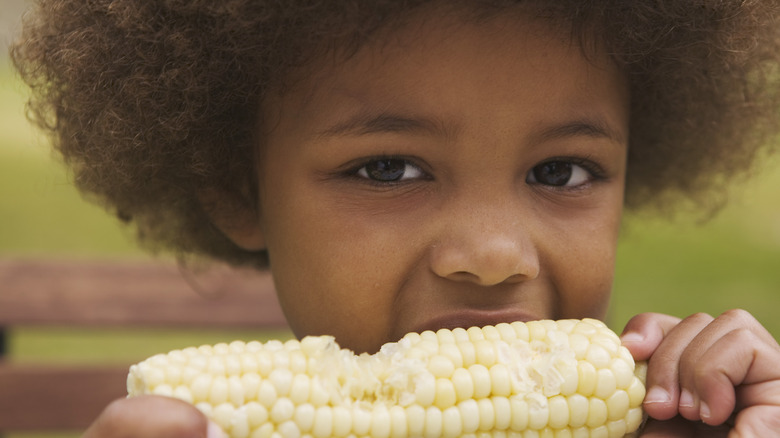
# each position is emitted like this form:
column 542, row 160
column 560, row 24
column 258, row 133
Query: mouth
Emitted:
column 470, row 318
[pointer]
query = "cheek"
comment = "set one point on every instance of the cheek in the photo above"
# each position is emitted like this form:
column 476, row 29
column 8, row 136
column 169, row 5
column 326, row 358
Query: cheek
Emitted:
column 336, row 273
column 585, row 268
column 588, row 286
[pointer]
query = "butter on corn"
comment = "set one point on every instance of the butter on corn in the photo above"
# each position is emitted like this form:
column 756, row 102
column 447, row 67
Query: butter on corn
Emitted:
column 568, row 378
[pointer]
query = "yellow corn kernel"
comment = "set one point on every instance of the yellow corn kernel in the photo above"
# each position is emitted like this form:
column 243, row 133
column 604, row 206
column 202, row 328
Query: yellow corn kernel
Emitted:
column 567, row 378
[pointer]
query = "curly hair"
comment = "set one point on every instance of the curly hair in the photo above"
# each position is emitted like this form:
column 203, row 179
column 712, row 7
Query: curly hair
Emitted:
column 154, row 102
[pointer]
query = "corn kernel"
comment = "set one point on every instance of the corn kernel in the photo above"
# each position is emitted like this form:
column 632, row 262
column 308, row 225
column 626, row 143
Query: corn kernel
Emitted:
column 552, row 379
column 469, row 415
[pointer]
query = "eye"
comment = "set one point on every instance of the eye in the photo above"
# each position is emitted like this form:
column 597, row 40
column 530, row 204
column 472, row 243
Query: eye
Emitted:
column 385, row 170
column 559, row 173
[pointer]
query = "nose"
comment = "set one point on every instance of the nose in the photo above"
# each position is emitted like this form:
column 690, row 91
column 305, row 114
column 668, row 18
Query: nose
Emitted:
column 486, row 246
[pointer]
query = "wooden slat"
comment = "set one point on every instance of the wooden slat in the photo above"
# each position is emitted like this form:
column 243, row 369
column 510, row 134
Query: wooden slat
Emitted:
column 133, row 294
column 110, row 293
column 56, row 398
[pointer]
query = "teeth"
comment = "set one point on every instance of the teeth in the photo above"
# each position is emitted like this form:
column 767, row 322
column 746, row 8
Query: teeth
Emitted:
column 540, row 379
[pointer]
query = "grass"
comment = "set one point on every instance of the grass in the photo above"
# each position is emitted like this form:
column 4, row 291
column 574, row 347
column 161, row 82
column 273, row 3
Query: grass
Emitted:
column 677, row 268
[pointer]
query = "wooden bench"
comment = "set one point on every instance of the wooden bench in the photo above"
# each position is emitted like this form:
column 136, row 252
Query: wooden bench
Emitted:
column 99, row 294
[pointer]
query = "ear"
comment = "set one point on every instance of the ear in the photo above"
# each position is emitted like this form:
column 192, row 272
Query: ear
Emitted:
column 236, row 217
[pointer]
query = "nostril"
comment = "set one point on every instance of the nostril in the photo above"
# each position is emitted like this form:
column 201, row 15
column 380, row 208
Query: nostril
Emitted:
column 463, row 276
column 482, row 280
column 516, row 278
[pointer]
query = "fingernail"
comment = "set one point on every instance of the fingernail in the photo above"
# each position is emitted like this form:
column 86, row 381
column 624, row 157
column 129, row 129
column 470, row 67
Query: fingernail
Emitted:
column 214, row 431
column 656, row 394
column 686, row 399
column 704, row 410
column 632, row 337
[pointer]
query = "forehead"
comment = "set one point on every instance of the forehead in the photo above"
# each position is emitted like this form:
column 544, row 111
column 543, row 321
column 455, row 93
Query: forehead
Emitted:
column 421, row 65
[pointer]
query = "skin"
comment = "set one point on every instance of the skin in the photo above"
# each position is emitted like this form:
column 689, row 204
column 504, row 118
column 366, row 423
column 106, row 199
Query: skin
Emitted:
column 723, row 364
column 462, row 237
column 472, row 231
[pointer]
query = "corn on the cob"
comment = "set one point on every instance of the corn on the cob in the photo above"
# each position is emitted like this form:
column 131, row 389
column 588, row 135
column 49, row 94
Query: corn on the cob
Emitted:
column 568, row 378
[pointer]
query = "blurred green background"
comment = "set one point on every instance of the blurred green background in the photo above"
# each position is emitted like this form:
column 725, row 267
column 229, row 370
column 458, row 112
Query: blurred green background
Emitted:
column 677, row 267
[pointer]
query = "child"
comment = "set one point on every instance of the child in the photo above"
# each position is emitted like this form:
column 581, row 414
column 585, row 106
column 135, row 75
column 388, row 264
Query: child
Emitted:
column 404, row 165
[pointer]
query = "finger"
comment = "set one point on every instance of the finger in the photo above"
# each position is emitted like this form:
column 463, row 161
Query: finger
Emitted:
column 738, row 359
column 645, row 332
column 743, row 318
column 150, row 417
column 763, row 393
column 758, row 421
column 664, row 399
column 722, row 356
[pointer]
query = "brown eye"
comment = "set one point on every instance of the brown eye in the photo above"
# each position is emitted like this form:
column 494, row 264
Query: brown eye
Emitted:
column 389, row 170
column 558, row 174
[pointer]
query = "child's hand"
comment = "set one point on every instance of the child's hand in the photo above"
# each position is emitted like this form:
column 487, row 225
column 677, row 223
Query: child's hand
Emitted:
column 707, row 369
column 152, row 416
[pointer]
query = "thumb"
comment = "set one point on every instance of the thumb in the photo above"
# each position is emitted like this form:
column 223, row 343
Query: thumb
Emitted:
column 151, row 417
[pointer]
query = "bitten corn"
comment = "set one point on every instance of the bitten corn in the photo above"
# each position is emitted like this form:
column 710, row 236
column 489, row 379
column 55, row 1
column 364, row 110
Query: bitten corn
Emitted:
column 568, row 378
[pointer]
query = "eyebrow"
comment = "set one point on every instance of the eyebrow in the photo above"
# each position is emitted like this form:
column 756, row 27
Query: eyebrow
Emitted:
column 371, row 123
column 365, row 123
column 594, row 128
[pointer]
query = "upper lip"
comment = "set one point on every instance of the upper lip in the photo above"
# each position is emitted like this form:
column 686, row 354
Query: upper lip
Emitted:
column 472, row 317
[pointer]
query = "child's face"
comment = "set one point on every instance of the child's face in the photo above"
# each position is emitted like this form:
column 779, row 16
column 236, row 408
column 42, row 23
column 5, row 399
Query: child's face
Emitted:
column 448, row 174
